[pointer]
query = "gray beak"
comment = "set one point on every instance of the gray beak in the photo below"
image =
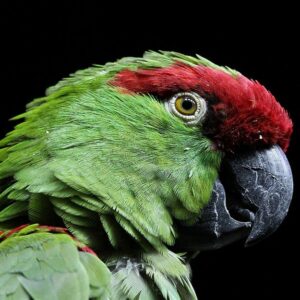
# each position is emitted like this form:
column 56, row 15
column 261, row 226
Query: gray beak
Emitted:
column 249, row 201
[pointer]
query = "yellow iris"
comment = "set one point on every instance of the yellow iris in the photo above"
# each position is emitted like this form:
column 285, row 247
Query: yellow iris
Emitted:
column 186, row 105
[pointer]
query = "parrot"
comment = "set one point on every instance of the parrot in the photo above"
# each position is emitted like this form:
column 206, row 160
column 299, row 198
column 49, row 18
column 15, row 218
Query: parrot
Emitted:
column 121, row 173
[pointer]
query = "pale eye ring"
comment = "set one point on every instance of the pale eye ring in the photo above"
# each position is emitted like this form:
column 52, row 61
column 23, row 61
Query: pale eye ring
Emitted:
column 188, row 106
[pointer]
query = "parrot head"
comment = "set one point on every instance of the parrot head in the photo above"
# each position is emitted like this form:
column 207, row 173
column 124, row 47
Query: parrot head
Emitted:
column 157, row 148
column 243, row 121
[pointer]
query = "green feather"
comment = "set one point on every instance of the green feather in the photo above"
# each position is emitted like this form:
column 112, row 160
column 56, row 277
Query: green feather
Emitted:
column 145, row 278
column 49, row 266
column 13, row 210
column 98, row 274
column 128, row 284
column 113, row 231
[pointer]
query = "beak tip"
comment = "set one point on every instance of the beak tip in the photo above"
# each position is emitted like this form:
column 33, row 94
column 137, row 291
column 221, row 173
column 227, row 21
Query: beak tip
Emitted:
column 262, row 230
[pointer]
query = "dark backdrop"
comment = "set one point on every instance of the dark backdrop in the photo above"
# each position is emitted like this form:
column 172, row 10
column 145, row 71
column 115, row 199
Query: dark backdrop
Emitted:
column 41, row 43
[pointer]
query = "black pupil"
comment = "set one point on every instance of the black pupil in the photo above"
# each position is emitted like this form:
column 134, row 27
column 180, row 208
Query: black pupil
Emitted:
column 187, row 104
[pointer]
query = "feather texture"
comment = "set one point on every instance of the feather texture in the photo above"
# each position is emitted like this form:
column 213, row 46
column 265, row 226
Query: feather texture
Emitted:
column 42, row 265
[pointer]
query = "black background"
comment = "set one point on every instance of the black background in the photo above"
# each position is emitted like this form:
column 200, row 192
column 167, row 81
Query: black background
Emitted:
column 42, row 42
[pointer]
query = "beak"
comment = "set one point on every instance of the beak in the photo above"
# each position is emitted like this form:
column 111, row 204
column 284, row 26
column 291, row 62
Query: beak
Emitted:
column 249, row 201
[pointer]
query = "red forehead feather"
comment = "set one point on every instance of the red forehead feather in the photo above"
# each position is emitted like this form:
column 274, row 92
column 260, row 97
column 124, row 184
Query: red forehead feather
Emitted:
column 252, row 113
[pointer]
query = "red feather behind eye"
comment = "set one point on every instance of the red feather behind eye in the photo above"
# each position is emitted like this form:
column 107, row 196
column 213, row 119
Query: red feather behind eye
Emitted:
column 253, row 116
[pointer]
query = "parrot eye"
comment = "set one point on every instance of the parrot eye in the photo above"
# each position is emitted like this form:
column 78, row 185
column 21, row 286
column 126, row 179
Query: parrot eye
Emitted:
column 188, row 106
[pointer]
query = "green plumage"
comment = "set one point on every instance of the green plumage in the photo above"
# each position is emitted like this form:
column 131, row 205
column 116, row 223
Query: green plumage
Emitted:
column 116, row 169
column 40, row 265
